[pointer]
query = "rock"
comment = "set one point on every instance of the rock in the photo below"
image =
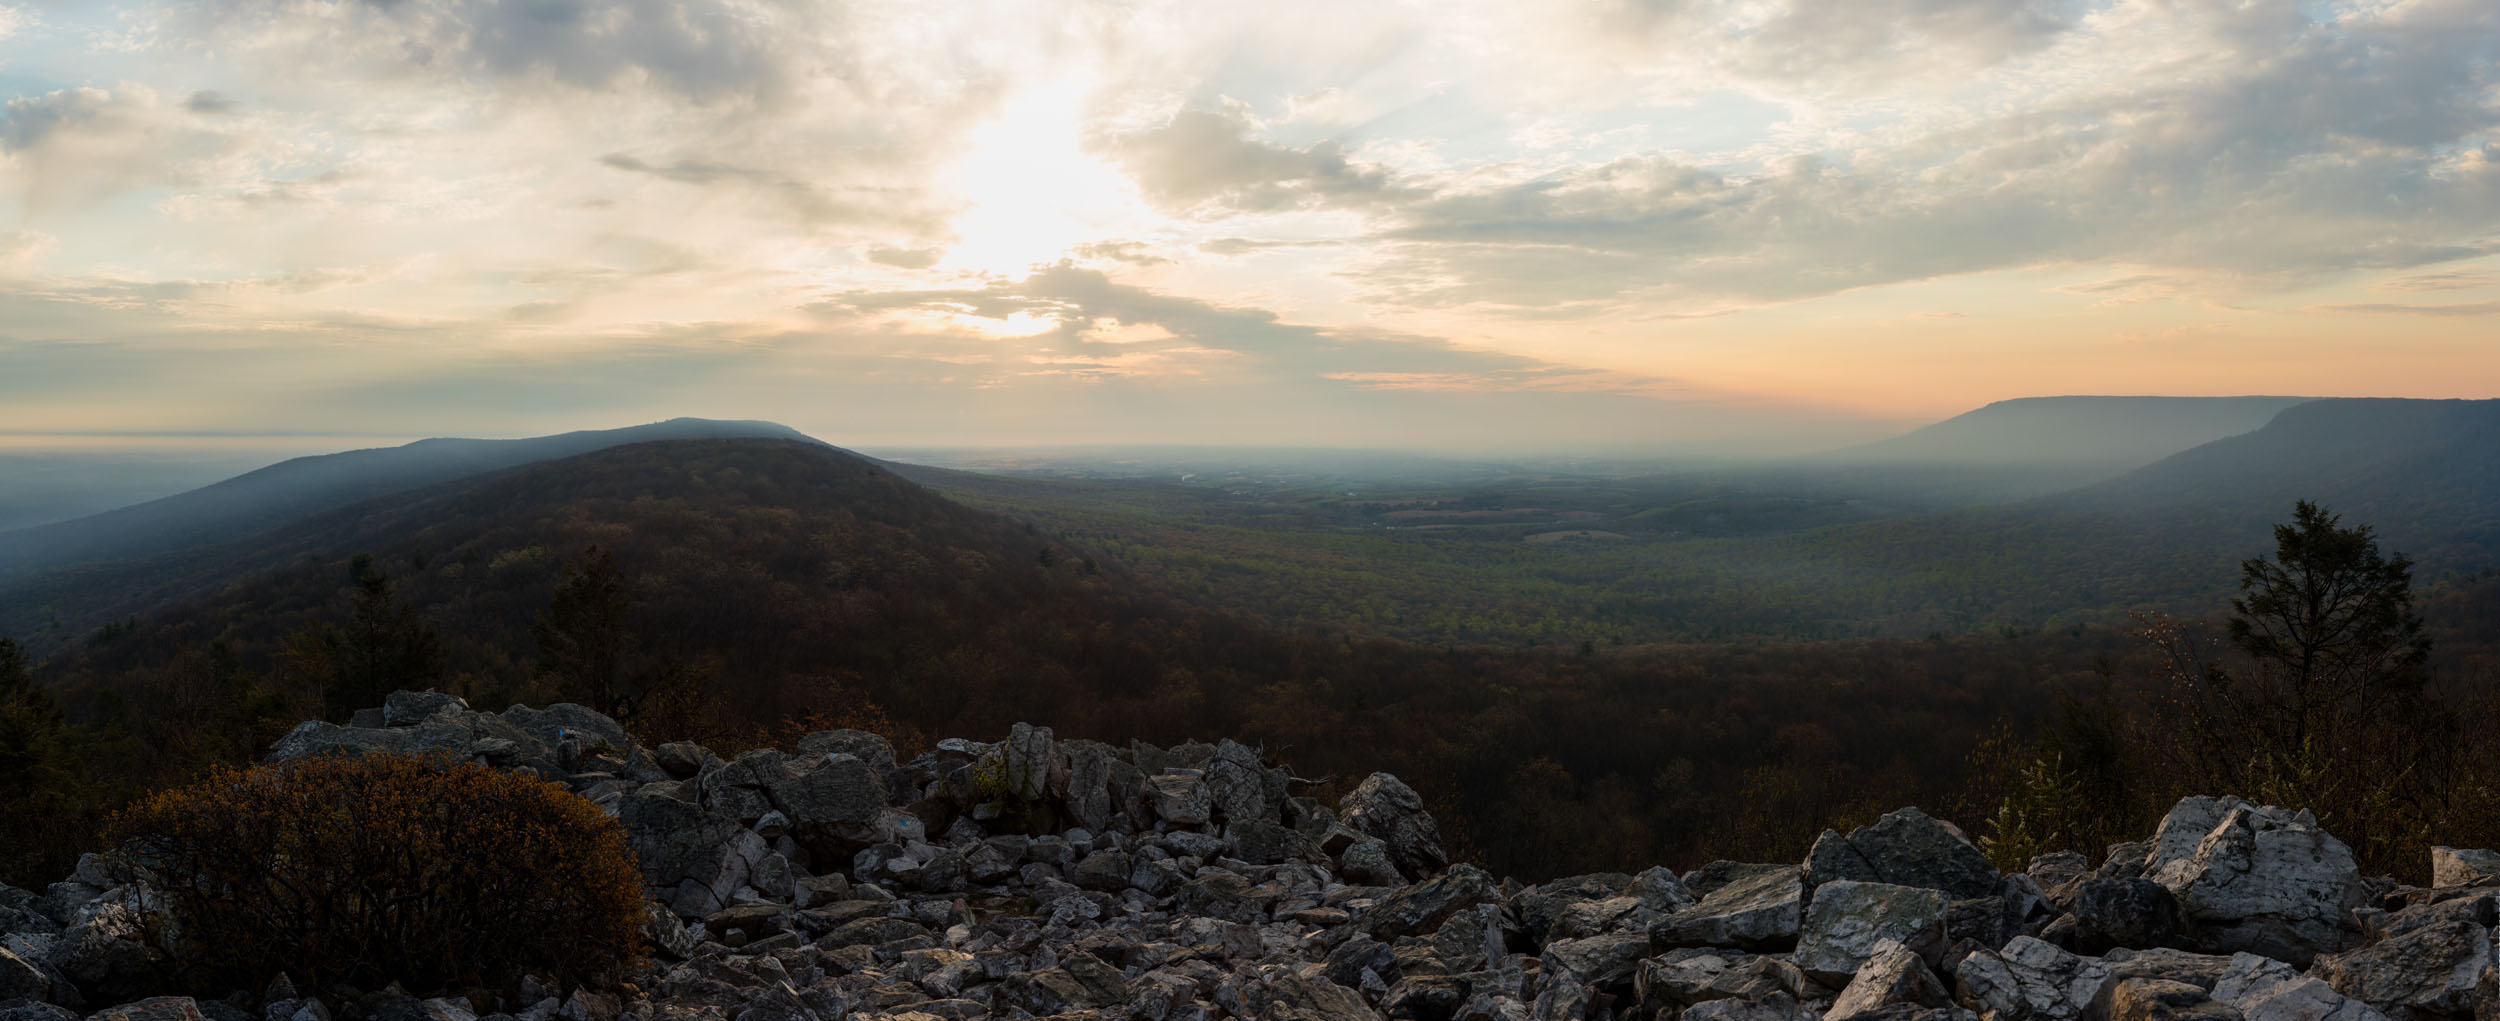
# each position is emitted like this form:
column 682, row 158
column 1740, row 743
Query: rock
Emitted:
column 1089, row 784
column 1848, row 919
column 1035, row 768
column 22, row 980
column 1598, row 960
column 106, row 954
column 1904, row 848
column 2268, row 990
column 1421, row 908
column 1758, row 908
column 409, row 708
column 2429, row 970
column 1893, row 975
column 315, row 737
column 2029, row 981
column 34, row 1010
column 1180, row 798
column 1540, row 906
column 1107, row 871
column 1367, row 862
column 2199, row 970
column 1389, row 811
column 1681, row 978
column 834, row 803
column 1777, row 1007
column 2482, row 909
column 679, row 844
column 2263, row 880
column 159, row 1008
column 2153, row 999
column 1267, row 843
column 2133, row 913
column 2459, row 867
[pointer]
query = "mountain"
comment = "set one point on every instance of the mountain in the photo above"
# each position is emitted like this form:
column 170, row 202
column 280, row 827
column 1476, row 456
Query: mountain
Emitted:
column 292, row 489
column 2124, row 432
column 2421, row 473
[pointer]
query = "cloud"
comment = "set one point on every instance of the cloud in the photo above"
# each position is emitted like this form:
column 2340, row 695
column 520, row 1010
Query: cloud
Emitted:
column 209, row 101
column 1834, row 45
column 79, row 146
column 905, row 258
column 703, row 51
column 1203, row 163
column 1236, row 246
column 2454, row 311
column 2452, row 280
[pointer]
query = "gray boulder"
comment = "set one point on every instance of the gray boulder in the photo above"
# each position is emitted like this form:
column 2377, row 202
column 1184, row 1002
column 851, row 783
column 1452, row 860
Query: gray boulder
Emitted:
column 21, row 979
column 2132, row 913
column 2154, row 999
column 1683, row 977
column 680, row 845
column 160, row 1008
column 1180, row 798
column 1893, row 975
column 2428, row 971
column 834, row 802
column 2169, row 965
column 2452, row 866
column 1759, row 907
column 1598, row 960
column 1904, row 848
column 1386, row 809
column 1421, row 908
column 409, row 708
column 1089, row 798
column 1849, row 919
column 2258, row 879
column 2029, row 981
column 2263, row 989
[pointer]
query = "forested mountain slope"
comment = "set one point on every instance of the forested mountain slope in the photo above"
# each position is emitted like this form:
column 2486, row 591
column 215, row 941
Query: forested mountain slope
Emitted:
column 291, row 489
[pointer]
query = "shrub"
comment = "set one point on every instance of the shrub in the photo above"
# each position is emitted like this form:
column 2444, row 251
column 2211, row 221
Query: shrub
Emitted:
column 434, row 873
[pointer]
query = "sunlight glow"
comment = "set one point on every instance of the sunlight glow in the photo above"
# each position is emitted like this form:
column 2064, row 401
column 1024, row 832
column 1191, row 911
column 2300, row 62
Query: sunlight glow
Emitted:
column 1031, row 191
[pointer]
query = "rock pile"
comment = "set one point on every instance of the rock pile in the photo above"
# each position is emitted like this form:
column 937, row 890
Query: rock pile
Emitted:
column 1043, row 877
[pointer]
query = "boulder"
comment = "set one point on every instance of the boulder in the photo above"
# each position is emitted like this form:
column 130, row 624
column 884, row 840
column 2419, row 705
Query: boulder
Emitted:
column 2258, row 879
column 1849, row 919
column 1776, row 1007
column 2169, row 965
column 1598, row 960
column 1180, row 798
column 2430, row 970
column 1681, row 978
column 2461, row 867
column 2154, row 999
column 158, row 1008
column 1421, row 908
column 684, row 846
column 21, row 979
column 1089, row 798
column 1759, row 907
column 1386, row 809
column 1904, row 848
column 1034, row 766
column 1893, row 975
column 2263, row 989
column 2133, row 913
column 34, row 1010
column 834, row 802
column 409, row 708
column 1367, row 862
column 2029, row 980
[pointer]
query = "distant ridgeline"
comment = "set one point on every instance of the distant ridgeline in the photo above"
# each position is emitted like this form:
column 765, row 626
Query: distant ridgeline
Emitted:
column 1034, row 876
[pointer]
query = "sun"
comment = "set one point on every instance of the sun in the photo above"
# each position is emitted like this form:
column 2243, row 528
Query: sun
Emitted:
column 1030, row 190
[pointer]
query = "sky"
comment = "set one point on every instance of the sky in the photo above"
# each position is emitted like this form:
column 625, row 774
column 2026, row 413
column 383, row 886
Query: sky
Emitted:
column 1670, row 225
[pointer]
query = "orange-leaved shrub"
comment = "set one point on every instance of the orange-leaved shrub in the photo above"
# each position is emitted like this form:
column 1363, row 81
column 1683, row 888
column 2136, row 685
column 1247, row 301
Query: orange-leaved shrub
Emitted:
column 430, row 872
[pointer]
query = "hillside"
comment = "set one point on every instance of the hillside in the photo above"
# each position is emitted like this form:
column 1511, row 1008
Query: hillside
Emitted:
column 291, row 489
column 788, row 578
column 2083, row 432
column 2171, row 534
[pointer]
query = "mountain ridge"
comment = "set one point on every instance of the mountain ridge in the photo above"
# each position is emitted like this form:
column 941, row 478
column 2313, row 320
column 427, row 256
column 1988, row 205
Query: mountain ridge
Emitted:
column 292, row 489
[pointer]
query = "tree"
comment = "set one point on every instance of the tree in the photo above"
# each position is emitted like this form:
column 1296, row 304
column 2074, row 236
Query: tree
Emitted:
column 582, row 634
column 35, row 781
column 2318, row 700
column 387, row 645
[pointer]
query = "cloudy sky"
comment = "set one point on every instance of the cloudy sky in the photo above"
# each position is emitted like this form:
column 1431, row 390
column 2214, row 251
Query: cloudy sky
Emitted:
column 1679, row 224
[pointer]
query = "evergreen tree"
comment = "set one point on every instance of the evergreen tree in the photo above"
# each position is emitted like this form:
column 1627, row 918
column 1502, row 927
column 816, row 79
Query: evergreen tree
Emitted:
column 582, row 636
column 387, row 645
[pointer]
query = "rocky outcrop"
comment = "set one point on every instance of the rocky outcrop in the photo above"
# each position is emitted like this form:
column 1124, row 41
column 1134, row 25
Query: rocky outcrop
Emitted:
column 1042, row 876
column 2264, row 880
